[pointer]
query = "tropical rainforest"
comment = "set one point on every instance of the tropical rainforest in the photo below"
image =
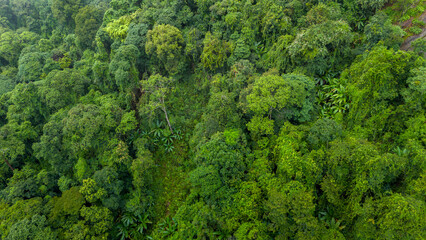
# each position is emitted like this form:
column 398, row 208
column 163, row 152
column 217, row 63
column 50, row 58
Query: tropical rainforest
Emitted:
column 212, row 119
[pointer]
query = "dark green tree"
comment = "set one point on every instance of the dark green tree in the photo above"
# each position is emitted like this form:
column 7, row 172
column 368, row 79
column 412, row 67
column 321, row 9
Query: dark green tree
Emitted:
column 123, row 68
column 87, row 21
column 65, row 11
column 30, row 67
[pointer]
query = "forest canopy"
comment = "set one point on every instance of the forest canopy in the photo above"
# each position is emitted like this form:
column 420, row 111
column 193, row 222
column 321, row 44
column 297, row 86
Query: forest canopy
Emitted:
column 201, row 119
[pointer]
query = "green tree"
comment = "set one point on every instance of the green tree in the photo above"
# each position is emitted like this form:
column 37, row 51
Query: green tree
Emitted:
column 117, row 29
column 369, row 4
column 63, row 88
column 165, row 43
column 197, row 220
column 414, row 95
column 87, row 21
column 65, row 11
column 323, row 12
column 137, row 35
column 381, row 28
column 50, row 147
column 98, row 221
column 128, row 123
column 9, row 18
column 355, row 168
column 123, row 67
column 7, row 83
column 291, row 163
column 36, row 228
column 27, row 14
column 26, row 183
column 129, row 119
column 30, row 67
column 9, row 48
column 15, row 140
column 374, row 79
column 108, row 181
column 221, row 113
column 392, row 217
column 142, row 170
column 11, row 44
column 215, row 52
column 22, row 209
column 322, row 46
column 288, row 95
column 26, row 105
column 159, row 88
column 290, row 209
column 220, row 168
column 66, row 208
column 86, row 131
column 246, row 222
column 278, row 56
column 324, row 131
column 419, row 46
column 274, row 22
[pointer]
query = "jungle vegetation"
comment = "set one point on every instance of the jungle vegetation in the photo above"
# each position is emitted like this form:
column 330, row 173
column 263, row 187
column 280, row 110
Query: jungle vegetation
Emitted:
column 203, row 119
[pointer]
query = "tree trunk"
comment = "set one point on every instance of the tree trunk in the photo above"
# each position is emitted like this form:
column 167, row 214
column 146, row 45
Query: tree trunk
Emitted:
column 167, row 119
column 163, row 107
column 8, row 164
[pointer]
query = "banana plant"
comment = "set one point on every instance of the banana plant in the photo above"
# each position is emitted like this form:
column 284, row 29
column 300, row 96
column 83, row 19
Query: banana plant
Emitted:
column 162, row 136
column 333, row 98
column 133, row 226
column 168, row 227
column 401, row 152
column 330, row 222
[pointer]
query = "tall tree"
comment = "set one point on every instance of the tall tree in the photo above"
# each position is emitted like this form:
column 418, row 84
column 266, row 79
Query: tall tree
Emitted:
column 65, row 11
column 271, row 97
column 123, row 67
column 87, row 21
column 30, row 67
column 165, row 43
column 63, row 88
column 158, row 88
